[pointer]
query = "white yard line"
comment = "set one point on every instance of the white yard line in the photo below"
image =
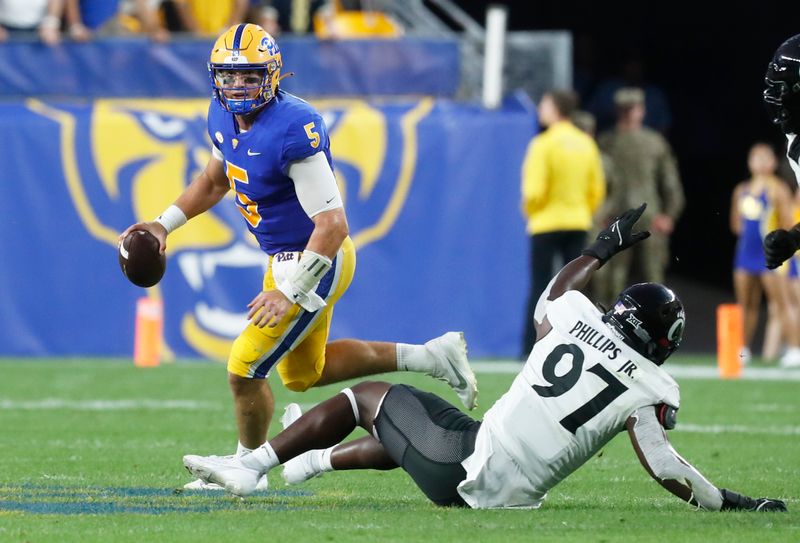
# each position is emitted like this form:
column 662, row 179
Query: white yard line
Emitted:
column 104, row 405
column 737, row 429
column 678, row 371
column 510, row 367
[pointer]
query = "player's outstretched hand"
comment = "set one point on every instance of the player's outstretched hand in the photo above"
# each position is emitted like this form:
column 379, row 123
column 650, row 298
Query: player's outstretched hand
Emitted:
column 780, row 245
column 268, row 308
column 618, row 236
column 155, row 228
column 739, row 502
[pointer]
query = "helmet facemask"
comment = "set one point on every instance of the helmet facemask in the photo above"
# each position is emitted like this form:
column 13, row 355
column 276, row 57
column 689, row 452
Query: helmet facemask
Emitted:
column 782, row 92
column 244, row 89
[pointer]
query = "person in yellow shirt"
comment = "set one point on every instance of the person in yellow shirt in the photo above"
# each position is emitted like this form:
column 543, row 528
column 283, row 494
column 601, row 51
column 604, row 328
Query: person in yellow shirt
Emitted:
column 562, row 186
column 207, row 18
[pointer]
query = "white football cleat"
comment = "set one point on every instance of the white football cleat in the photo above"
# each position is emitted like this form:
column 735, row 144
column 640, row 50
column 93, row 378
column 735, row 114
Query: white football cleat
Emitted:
column 300, row 468
column 791, row 358
column 199, row 484
column 291, row 413
column 226, row 471
column 449, row 354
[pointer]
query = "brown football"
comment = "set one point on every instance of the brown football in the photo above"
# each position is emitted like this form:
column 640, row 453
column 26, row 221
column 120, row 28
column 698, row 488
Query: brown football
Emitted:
column 140, row 260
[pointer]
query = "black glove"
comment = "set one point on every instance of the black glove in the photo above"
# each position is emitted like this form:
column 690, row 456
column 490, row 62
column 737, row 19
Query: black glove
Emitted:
column 618, row 236
column 731, row 501
column 780, row 245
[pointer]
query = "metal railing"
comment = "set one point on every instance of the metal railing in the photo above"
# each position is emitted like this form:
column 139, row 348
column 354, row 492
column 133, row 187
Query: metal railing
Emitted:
column 534, row 60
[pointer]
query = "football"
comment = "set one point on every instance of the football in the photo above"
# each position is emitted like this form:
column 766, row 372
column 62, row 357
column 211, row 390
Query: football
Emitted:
column 140, row 260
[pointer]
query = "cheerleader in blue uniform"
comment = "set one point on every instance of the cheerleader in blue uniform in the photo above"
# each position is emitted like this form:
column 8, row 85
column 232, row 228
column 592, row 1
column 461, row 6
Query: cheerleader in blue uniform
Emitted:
column 761, row 204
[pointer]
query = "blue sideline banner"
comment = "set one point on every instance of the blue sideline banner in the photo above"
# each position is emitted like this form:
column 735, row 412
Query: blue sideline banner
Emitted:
column 136, row 67
column 432, row 196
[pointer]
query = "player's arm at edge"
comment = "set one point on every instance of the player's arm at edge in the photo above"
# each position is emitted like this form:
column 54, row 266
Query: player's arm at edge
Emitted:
column 617, row 237
column 675, row 474
column 318, row 194
column 781, row 244
column 205, row 191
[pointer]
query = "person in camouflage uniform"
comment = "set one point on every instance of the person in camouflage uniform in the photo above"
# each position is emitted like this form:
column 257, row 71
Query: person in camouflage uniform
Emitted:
column 644, row 171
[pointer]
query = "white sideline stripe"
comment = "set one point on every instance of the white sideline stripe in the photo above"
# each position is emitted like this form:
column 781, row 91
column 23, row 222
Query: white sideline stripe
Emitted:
column 737, row 429
column 103, row 405
column 678, row 371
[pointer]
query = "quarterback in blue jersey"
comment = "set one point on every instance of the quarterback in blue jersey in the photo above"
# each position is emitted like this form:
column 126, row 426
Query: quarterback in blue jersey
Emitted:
column 272, row 150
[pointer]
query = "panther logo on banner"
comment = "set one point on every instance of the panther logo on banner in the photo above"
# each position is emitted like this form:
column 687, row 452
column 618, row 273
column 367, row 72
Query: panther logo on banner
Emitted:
column 127, row 160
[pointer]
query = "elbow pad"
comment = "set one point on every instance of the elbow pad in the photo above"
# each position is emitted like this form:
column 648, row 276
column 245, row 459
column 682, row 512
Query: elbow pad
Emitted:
column 667, row 416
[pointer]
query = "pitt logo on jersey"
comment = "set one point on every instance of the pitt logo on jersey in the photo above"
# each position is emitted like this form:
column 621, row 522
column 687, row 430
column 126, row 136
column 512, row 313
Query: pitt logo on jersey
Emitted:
column 125, row 161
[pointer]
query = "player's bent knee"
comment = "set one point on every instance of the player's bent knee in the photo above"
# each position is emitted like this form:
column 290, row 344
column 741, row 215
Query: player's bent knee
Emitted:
column 368, row 395
column 244, row 353
column 298, row 386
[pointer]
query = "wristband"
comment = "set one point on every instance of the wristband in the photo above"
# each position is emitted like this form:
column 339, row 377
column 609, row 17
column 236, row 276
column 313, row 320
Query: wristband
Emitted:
column 299, row 288
column 602, row 250
column 172, row 218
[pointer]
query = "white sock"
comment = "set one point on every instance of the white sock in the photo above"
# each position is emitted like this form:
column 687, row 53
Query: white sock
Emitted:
column 241, row 450
column 322, row 459
column 413, row 358
column 262, row 458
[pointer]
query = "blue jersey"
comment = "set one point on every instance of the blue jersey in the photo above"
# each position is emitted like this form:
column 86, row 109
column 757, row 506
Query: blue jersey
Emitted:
column 256, row 163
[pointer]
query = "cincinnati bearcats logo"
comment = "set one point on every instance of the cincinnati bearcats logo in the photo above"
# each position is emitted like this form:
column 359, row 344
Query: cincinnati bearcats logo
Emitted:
column 676, row 330
column 125, row 161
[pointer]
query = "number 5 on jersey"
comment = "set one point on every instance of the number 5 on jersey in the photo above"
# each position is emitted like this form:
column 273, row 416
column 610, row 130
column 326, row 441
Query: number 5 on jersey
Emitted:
column 313, row 137
column 247, row 207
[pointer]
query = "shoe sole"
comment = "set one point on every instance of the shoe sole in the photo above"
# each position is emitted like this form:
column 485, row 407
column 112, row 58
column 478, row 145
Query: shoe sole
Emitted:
column 202, row 486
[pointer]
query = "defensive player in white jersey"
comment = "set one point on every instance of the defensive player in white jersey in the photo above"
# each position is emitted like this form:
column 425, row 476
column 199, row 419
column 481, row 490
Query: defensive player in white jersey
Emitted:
column 589, row 376
column 782, row 98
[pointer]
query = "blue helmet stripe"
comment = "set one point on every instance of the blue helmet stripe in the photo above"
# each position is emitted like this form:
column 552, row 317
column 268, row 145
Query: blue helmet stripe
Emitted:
column 237, row 38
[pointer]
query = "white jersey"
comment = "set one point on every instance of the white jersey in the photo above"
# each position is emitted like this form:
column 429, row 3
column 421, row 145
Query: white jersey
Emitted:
column 793, row 154
column 575, row 392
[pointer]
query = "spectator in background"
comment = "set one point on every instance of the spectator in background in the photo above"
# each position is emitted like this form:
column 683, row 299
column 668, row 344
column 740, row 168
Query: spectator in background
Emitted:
column 608, row 209
column 207, row 18
column 20, row 17
column 562, row 186
column 644, row 171
column 290, row 16
column 354, row 19
column 760, row 204
column 586, row 122
column 632, row 74
column 86, row 18
column 265, row 15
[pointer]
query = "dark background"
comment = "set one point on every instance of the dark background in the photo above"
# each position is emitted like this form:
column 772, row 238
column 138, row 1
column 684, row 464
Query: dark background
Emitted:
column 711, row 66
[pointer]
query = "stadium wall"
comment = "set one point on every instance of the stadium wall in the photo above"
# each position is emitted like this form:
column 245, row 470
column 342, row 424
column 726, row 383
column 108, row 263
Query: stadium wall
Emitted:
column 432, row 195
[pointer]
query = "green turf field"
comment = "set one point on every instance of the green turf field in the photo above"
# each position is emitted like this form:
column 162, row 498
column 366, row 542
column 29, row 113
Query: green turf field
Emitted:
column 91, row 451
